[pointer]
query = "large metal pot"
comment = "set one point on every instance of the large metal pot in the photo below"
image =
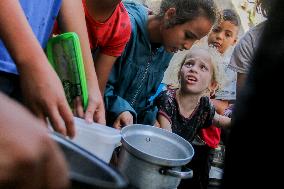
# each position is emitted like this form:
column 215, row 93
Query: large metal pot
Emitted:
column 153, row 158
column 86, row 170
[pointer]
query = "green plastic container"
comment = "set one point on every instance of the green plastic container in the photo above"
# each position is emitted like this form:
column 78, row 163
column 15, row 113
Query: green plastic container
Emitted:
column 65, row 55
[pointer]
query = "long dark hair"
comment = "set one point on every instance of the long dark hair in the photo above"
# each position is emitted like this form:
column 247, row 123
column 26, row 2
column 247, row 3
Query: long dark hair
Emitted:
column 187, row 10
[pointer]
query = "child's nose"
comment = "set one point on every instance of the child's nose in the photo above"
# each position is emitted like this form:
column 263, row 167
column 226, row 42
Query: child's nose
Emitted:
column 220, row 35
column 193, row 69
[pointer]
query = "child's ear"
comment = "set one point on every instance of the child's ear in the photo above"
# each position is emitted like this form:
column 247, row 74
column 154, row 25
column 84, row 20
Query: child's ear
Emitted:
column 170, row 13
column 235, row 41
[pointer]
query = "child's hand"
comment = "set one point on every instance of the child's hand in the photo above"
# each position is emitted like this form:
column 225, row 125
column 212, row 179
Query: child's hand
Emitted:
column 96, row 109
column 78, row 109
column 164, row 123
column 71, row 18
column 221, row 121
column 157, row 124
column 44, row 95
column 228, row 111
column 125, row 118
column 42, row 90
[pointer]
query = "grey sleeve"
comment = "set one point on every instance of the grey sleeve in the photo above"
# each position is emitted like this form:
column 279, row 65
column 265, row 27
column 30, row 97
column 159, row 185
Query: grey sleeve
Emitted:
column 242, row 55
column 245, row 50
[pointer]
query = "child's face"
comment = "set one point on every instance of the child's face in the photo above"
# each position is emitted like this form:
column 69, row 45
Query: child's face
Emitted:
column 196, row 72
column 223, row 36
column 180, row 37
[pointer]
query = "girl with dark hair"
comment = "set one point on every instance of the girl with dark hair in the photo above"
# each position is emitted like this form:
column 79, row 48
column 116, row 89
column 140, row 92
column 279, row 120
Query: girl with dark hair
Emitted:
column 138, row 72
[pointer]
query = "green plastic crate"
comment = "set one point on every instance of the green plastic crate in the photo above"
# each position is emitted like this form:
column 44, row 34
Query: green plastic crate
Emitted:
column 65, row 55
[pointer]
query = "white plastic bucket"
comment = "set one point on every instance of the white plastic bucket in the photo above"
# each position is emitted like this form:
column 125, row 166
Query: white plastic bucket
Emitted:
column 97, row 139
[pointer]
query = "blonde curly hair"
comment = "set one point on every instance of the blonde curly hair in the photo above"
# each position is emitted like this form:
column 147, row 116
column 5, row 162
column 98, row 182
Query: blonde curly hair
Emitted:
column 216, row 60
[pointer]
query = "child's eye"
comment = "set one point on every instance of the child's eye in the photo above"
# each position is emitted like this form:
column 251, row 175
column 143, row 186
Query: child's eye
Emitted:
column 228, row 35
column 190, row 35
column 188, row 64
column 216, row 30
column 204, row 68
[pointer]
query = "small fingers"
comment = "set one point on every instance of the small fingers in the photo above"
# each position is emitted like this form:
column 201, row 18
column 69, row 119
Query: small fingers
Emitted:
column 56, row 121
column 127, row 122
column 117, row 124
column 89, row 114
column 157, row 124
column 67, row 117
column 127, row 119
column 95, row 112
column 99, row 115
column 78, row 107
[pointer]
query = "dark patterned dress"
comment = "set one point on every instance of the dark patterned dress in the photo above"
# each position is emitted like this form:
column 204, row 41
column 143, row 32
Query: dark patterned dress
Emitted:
column 186, row 127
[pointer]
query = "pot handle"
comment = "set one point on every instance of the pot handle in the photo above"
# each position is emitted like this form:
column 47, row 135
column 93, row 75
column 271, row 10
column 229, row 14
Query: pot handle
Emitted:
column 188, row 173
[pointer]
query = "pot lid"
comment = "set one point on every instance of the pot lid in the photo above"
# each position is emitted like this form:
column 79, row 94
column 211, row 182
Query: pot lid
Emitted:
column 156, row 145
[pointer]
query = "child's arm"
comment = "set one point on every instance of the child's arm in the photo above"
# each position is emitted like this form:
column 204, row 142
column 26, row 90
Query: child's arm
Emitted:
column 72, row 18
column 103, row 64
column 41, row 88
column 220, row 105
column 221, row 121
column 164, row 123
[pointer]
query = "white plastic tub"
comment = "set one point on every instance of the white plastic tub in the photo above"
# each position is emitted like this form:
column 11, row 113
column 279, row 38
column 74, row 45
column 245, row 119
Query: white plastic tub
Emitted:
column 97, row 139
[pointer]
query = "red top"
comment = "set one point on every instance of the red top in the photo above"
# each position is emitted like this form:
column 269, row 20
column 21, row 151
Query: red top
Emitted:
column 112, row 35
column 211, row 136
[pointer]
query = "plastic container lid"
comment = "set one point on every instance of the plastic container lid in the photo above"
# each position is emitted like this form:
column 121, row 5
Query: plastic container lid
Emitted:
column 100, row 131
column 97, row 139
column 65, row 55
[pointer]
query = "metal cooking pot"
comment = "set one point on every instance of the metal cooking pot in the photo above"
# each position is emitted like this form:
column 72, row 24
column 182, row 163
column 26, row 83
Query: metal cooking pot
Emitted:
column 86, row 170
column 153, row 158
